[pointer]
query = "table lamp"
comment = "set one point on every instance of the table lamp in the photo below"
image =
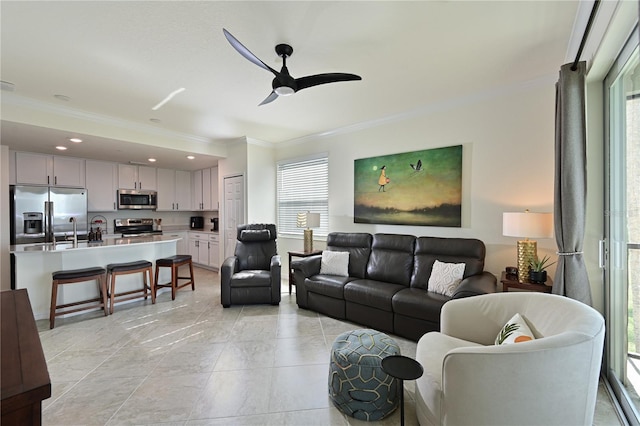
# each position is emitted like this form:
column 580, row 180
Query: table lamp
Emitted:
column 308, row 220
column 527, row 225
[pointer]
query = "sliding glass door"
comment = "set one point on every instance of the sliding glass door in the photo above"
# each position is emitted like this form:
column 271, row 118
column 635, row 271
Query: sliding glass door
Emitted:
column 622, row 228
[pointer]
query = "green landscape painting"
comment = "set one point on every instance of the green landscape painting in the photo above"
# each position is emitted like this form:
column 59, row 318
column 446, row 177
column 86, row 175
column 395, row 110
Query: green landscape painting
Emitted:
column 411, row 188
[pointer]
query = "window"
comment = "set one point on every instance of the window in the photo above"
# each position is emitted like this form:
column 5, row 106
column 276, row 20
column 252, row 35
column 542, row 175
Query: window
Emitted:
column 303, row 185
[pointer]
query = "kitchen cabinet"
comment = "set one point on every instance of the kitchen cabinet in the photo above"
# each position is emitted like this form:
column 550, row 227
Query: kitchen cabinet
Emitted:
column 41, row 169
column 174, row 190
column 198, row 187
column 183, row 190
column 204, row 249
column 215, row 195
column 102, row 186
column 137, row 177
column 198, row 248
column 214, row 251
column 205, row 189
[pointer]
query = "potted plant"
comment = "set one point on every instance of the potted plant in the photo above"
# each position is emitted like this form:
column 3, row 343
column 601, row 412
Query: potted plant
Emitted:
column 538, row 272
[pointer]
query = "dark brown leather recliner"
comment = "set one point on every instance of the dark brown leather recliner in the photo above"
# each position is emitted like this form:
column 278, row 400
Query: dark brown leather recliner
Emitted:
column 252, row 275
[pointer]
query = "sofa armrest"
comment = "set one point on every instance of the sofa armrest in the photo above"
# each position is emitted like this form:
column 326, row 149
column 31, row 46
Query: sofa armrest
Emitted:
column 476, row 285
column 302, row 269
column 228, row 268
column 531, row 379
column 276, row 271
column 307, row 266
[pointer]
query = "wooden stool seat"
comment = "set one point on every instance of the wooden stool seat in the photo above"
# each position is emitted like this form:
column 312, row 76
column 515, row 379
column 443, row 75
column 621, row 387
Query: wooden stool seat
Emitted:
column 175, row 262
column 77, row 276
column 140, row 266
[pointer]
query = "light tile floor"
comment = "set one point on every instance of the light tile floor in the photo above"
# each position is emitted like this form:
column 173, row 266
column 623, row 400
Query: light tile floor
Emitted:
column 192, row 362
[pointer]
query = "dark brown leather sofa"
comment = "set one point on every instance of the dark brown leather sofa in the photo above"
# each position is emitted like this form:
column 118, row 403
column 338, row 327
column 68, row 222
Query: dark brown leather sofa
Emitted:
column 388, row 278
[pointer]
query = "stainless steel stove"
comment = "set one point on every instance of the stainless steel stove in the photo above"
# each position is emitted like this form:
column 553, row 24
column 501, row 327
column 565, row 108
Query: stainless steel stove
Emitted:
column 135, row 227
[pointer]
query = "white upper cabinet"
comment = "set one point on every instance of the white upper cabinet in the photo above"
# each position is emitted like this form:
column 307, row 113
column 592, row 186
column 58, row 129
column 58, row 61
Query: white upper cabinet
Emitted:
column 197, row 190
column 205, row 189
column 174, row 190
column 215, row 196
column 102, row 186
column 137, row 177
column 42, row 169
column 183, row 190
column 166, row 189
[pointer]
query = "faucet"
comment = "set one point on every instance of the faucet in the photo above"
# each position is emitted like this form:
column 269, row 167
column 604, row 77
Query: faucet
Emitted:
column 75, row 230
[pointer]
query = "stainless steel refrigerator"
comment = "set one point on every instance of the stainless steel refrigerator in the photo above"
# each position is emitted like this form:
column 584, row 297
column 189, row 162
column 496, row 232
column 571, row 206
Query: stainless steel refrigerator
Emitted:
column 41, row 214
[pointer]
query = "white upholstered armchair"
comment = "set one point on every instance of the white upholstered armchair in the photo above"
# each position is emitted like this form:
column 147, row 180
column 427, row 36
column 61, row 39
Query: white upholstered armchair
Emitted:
column 552, row 380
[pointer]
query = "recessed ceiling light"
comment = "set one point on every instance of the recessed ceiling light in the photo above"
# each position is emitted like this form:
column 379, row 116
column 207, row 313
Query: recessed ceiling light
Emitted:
column 153, row 160
column 75, row 140
column 191, row 157
column 61, row 148
column 155, row 120
column 62, row 98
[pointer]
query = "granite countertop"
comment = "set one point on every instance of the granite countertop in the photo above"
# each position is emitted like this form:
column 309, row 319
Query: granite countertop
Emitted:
column 86, row 245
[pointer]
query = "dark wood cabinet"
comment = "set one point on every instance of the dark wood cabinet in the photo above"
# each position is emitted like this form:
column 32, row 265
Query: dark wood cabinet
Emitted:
column 25, row 378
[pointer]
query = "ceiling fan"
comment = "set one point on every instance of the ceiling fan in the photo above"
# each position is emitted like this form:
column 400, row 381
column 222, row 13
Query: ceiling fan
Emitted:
column 283, row 84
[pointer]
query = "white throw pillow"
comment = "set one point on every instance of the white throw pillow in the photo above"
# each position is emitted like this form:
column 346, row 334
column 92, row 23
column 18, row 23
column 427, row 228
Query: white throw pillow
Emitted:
column 445, row 277
column 335, row 263
column 515, row 330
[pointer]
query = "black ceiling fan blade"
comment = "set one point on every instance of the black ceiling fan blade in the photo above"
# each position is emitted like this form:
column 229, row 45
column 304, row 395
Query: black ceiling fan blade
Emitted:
column 315, row 80
column 246, row 52
column 272, row 97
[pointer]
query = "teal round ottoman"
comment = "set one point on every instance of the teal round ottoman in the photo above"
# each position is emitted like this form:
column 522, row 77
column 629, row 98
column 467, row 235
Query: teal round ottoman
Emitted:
column 357, row 384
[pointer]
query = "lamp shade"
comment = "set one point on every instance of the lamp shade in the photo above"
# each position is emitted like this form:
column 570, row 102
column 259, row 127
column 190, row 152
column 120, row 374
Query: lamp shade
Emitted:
column 527, row 225
column 308, row 220
column 313, row 220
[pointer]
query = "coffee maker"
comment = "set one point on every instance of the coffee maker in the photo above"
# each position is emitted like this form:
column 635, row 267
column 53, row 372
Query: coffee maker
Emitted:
column 196, row 222
column 215, row 224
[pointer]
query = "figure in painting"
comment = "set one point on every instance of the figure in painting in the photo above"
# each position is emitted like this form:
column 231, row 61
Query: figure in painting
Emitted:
column 383, row 180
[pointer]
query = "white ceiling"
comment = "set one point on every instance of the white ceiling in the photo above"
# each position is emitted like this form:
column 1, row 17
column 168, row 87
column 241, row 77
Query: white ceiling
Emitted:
column 116, row 60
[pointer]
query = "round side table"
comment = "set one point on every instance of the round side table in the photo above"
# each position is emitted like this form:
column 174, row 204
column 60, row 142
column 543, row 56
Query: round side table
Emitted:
column 403, row 368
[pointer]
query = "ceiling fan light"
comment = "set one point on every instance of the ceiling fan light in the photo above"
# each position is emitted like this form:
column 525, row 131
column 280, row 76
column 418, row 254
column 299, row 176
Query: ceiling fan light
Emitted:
column 284, row 91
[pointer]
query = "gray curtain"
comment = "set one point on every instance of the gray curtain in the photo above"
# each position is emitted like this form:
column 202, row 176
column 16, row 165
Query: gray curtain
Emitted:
column 571, row 277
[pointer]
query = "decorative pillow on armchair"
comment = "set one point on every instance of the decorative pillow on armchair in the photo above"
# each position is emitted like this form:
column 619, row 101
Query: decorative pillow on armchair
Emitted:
column 445, row 277
column 515, row 330
column 335, row 263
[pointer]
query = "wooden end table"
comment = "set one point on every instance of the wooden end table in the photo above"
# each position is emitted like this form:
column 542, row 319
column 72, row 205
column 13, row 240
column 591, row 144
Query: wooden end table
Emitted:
column 511, row 281
column 293, row 254
column 25, row 378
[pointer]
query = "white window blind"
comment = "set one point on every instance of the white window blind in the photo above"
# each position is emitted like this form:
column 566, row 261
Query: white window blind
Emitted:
column 303, row 186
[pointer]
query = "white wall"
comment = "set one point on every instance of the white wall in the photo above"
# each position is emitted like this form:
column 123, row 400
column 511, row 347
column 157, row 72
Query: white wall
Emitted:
column 508, row 139
column 5, row 265
column 261, row 182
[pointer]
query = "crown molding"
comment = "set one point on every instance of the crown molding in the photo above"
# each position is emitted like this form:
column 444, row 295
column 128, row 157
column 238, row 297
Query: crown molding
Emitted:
column 258, row 142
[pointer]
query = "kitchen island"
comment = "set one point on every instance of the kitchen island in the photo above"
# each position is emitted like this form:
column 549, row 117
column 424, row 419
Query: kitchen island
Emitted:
column 33, row 265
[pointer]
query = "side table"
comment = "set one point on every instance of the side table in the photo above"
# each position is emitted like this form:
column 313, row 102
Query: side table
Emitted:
column 293, row 254
column 402, row 368
column 25, row 378
column 511, row 281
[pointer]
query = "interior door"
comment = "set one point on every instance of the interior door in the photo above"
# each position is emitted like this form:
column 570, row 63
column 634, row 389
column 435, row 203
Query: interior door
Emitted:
column 234, row 211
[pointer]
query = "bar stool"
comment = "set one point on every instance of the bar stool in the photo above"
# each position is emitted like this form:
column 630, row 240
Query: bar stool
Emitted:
column 77, row 276
column 139, row 266
column 175, row 262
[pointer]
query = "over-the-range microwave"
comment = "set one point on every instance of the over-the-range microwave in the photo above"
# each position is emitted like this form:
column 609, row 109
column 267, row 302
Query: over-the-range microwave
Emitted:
column 131, row 199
